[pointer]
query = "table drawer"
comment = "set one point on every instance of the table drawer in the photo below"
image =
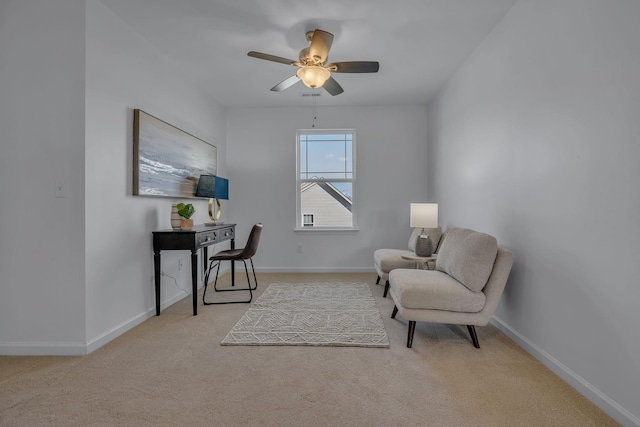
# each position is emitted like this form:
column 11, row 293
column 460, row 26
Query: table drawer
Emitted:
column 208, row 238
column 226, row 233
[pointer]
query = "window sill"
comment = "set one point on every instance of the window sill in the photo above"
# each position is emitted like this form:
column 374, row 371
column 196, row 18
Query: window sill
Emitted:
column 326, row 230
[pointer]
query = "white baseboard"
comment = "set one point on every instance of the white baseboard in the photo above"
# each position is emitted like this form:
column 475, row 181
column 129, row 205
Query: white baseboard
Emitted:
column 43, row 349
column 313, row 270
column 601, row 400
column 115, row 332
column 80, row 349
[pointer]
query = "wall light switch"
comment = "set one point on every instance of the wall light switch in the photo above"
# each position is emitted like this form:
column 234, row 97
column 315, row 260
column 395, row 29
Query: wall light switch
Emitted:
column 61, row 189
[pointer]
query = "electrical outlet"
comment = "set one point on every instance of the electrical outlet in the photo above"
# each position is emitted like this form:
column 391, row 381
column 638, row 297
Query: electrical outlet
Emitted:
column 180, row 264
column 299, row 249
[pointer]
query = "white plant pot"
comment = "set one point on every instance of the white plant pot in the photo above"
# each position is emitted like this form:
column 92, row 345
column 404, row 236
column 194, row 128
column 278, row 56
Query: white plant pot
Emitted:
column 176, row 219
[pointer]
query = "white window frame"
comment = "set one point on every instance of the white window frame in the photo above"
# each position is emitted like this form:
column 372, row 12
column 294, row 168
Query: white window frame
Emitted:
column 305, row 223
column 299, row 218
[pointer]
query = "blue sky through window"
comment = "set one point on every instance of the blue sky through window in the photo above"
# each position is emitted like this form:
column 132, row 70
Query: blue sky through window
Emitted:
column 326, row 156
column 344, row 188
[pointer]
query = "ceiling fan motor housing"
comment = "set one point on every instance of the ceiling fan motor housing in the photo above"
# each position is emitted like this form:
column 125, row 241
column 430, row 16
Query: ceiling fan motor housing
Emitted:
column 305, row 57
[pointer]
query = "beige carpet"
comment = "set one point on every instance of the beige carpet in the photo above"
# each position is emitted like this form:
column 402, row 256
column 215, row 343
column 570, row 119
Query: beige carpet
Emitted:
column 172, row 371
column 315, row 314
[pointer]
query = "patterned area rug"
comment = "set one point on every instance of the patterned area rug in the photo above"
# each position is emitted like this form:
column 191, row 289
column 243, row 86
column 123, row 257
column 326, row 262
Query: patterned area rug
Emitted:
column 313, row 314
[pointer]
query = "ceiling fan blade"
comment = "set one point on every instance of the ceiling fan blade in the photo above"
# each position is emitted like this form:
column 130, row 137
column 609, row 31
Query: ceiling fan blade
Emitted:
column 320, row 45
column 332, row 87
column 285, row 84
column 273, row 58
column 354, row 67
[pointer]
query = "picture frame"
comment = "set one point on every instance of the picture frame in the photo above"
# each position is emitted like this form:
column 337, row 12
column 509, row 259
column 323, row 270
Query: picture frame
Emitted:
column 168, row 161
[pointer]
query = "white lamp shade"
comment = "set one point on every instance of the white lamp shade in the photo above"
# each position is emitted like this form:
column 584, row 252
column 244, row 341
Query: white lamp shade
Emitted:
column 424, row 215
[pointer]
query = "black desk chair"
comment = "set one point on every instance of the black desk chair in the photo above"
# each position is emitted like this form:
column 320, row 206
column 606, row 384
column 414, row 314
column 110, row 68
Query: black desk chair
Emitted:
column 242, row 254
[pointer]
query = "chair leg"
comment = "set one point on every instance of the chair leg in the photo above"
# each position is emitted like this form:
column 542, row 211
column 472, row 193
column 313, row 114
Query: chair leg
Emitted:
column 378, row 281
column 412, row 328
column 249, row 280
column 386, row 289
column 206, row 280
column 255, row 280
column 395, row 311
column 250, row 289
column 474, row 336
column 206, row 276
column 242, row 289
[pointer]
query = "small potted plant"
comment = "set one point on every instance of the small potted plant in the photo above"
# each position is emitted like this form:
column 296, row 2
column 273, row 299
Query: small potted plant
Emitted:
column 186, row 211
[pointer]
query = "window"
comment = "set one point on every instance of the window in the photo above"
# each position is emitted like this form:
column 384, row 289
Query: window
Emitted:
column 307, row 220
column 326, row 179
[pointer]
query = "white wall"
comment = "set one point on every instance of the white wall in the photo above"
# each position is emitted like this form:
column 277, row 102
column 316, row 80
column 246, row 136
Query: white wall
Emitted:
column 76, row 271
column 124, row 73
column 41, row 142
column 536, row 140
column 391, row 172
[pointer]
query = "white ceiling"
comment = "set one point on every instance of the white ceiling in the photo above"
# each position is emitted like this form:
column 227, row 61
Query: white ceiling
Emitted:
column 419, row 44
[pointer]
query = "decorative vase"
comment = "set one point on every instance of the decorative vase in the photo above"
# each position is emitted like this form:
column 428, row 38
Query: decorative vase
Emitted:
column 424, row 246
column 186, row 224
column 176, row 220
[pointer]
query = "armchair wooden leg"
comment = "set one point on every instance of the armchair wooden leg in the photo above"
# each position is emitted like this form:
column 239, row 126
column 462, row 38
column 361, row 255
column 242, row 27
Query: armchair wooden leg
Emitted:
column 395, row 311
column 412, row 328
column 474, row 336
column 386, row 289
column 378, row 281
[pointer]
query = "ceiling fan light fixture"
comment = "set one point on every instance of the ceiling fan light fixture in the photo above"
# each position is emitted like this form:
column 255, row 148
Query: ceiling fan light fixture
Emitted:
column 313, row 76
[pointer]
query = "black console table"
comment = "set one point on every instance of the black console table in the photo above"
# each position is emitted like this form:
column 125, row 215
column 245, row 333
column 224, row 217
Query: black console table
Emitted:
column 199, row 237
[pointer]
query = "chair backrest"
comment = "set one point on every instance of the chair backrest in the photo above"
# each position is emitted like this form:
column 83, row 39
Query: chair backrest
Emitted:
column 251, row 247
column 497, row 282
column 468, row 256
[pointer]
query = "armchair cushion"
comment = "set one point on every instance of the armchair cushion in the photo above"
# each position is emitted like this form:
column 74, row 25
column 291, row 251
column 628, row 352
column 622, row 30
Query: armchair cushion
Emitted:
column 433, row 290
column 468, row 256
column 390, row 259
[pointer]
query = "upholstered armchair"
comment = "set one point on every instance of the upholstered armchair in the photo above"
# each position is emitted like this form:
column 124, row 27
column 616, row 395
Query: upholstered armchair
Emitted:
column 386, row 260
column 470, row 275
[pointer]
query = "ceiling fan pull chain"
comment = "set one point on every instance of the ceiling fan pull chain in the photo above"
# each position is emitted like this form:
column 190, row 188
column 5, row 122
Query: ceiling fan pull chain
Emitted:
column 313, row 124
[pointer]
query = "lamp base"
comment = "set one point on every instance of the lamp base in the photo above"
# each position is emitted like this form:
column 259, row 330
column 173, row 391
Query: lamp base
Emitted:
column 424, row 246
column 214, row 211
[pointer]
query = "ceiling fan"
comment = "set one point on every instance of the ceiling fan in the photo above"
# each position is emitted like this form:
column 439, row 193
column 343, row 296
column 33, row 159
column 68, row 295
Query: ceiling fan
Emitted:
column 313, row 68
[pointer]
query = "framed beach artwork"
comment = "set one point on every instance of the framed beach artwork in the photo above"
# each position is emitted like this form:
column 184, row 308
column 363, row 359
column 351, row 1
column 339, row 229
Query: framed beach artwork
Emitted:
column 167, row 161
